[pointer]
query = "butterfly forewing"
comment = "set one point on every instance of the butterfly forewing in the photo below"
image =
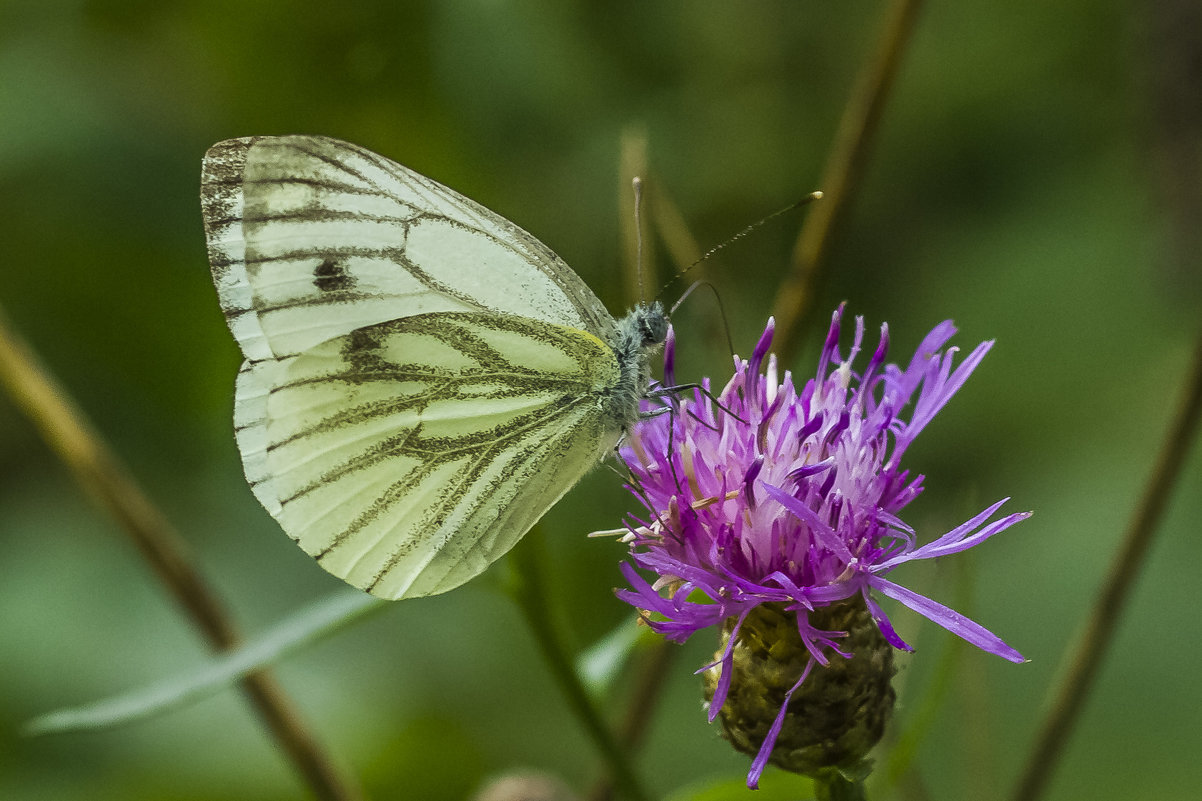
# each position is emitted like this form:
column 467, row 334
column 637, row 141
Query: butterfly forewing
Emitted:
column 311, row 237
column 414, row 447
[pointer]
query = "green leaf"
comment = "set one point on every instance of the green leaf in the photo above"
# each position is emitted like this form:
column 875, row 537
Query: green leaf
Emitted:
column 310, row 624
column 600, row 664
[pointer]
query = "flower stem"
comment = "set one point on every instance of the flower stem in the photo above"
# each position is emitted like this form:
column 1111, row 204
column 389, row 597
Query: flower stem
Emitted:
column 648, row 681
column 1107, row 612
column 840, row 178
column 528, row 590
column 102, row 476
column 834, row 786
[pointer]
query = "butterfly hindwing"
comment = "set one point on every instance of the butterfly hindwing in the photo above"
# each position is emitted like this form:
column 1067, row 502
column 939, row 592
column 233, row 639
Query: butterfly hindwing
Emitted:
column 253, row 387
column 408, row 455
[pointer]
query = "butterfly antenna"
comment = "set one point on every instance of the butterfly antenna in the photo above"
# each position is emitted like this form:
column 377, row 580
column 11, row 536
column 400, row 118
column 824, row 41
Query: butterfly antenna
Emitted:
column 636, row 184
column 730, row 343
column 810, row 198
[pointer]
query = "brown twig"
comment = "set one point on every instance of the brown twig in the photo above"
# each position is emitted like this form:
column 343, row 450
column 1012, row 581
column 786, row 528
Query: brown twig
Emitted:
column 1172, row 66
column 105, row 479
column 840, row 179
column 1076, row 684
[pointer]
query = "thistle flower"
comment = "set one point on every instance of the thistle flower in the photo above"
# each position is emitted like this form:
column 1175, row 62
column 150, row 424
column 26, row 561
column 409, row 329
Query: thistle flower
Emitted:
column 773, row 514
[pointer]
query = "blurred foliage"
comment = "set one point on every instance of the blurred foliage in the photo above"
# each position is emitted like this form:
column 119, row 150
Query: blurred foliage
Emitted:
column 1012, row 189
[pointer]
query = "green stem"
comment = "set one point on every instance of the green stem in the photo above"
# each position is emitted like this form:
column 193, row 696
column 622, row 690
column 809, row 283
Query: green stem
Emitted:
column 648, row 681
column 528, row 589
column 1090, row 652
column 834, row 786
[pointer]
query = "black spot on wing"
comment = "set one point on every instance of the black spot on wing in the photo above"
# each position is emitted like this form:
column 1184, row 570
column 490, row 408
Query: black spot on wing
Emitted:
column 363, row 351
column 331, row 276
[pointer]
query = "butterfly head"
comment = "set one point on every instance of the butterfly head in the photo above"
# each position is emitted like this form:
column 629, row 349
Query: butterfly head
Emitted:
column 643, row 329
column 652, row 323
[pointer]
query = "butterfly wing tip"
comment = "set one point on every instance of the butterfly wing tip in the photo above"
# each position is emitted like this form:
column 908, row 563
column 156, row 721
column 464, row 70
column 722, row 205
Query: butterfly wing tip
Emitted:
column 228, row 147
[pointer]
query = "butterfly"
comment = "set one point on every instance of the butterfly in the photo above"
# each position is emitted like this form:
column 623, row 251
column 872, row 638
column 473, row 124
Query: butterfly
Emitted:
column 423, row 379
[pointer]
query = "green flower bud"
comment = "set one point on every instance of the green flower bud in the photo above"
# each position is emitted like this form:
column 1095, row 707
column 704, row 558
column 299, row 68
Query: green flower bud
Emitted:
column 837, row 714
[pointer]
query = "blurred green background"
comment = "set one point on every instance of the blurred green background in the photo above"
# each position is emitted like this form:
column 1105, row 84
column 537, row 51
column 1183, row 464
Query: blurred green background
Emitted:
column 1020, row 186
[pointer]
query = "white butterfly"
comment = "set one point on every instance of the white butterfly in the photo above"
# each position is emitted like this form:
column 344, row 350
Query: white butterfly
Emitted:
column 423, row 379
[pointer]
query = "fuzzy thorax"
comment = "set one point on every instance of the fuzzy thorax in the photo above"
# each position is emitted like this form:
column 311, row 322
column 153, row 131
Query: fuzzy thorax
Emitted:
column 637, row 335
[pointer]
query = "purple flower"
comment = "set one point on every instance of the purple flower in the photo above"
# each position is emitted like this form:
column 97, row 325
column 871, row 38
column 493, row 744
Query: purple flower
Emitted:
column 773, row 495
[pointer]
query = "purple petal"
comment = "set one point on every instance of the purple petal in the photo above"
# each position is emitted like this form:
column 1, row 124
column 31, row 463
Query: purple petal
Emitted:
column 882, row 623
column 761, row 759
column 926, row 552
column 812, row 469
column 830, row 347
column 936, row 547
column 856, row 341
column 749, row 480
column 823, row 532
column 761, row 348
column 728, row 668
column 670, row 357
column 944, row 389
column 932, row 342
column 951, row 620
